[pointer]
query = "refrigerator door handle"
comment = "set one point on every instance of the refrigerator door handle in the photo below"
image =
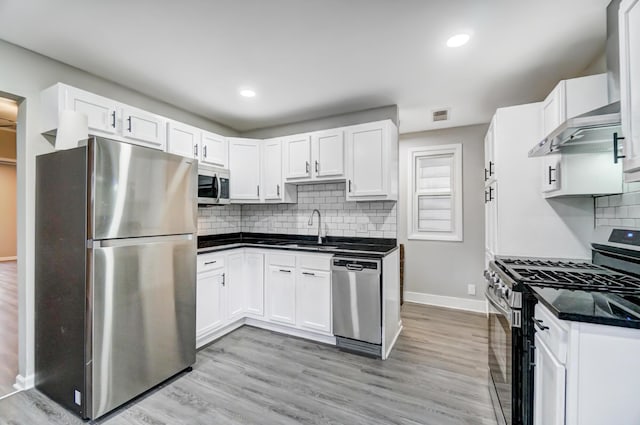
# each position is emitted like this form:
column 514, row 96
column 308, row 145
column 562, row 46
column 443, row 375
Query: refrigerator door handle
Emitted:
column 108, row 243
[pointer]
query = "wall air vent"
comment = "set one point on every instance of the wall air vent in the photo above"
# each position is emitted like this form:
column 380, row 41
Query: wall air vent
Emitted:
column 441, row 115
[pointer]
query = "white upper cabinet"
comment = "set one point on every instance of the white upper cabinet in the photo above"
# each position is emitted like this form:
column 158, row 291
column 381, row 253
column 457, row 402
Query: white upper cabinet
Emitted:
column 327, row 154
column 372, row 161
column 630, row 86
column 272, row 177
column 103, row 115
column 571, row 98
column 143, row 128
column 297, row 157
column 574, row 174
column 245, row 165
column 182, row 139
column 489, row 155
column 214, row 150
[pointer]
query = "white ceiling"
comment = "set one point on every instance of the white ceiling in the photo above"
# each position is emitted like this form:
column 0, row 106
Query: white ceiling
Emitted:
column 309, row 59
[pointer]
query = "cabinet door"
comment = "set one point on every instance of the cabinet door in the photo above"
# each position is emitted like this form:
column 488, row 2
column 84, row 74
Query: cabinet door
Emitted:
column 489, row 161
column 209, row 301
column 549, row 387
column 630, row 85
column 214, row 150
column 313, row 300
column 367, row 165
column 491, row 218
column 235, row 285
column 244, row 166
column 254, row 279
column 328, row 154
column 101, row 112
column 553, row 109
column 551, row 173
column 143, row 128
column 297, row 158
column 272, row 182
column 182, row 140
column 281, row 294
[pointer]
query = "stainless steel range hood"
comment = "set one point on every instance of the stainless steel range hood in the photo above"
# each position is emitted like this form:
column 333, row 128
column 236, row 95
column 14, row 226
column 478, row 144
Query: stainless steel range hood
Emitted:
column 589, row 132
column 592, row 131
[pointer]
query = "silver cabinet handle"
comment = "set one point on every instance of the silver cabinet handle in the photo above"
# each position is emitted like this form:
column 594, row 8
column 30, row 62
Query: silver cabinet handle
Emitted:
column 307, row 166
column 491, row 164
column 113, row 119
column 129, row 120
column 258, row 189
column 206, row 263
column 278, row 189
column 224, row 278
column 285, row 271
column 195, row 149
column 308, row 274
column 317, row 166
column 349, row 185
column 204, row 150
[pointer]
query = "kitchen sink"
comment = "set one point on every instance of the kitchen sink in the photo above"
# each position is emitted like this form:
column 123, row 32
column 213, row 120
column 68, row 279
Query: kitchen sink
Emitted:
column 310, row 246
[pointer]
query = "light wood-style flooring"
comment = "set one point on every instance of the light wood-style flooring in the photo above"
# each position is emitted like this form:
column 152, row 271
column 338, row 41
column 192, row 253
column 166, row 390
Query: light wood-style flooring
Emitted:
column 8, row 326
column 437, row 375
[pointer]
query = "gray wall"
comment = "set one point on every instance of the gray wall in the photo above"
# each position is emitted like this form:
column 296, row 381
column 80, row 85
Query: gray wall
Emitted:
column 369, row 115
column 446, row 268
column 24, row 74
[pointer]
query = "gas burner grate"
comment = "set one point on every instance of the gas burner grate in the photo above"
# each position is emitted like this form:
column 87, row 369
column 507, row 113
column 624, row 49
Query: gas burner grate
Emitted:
column 534, row 262
column 600, row 280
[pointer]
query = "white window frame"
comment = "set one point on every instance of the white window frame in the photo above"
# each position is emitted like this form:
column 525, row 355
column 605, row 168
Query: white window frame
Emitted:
column 413, row 233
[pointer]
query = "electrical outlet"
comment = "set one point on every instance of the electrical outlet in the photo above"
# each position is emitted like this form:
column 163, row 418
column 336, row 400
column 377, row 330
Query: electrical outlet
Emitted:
column 471, row 289
column 362, row 227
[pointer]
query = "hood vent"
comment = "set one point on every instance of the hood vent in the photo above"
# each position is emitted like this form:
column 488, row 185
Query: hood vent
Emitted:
column 592, row 131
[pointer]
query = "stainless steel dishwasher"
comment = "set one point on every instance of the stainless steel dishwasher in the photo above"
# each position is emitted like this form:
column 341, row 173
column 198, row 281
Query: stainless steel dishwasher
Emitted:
column 357, row 307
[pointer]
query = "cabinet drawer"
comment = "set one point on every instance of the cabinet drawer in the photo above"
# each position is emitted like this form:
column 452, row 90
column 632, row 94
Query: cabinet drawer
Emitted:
column 315, row 262
column 208, row 262
column 285, row 260
column 556, row 336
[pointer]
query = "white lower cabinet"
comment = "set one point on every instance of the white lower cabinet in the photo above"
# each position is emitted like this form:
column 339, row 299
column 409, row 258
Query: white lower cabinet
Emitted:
column 313, row 301
column 288, row 292
column 235, row 285
column 585, row 373
column 281, row 293
column 550, row 387
column 210, row 296
column 254, row 283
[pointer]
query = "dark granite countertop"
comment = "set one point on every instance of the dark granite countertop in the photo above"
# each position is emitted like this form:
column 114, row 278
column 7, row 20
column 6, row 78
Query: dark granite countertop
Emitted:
column 591, row 306
column 349, row 246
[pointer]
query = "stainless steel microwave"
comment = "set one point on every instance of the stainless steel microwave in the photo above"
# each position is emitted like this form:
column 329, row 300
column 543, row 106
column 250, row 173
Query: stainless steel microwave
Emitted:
column 213, row 186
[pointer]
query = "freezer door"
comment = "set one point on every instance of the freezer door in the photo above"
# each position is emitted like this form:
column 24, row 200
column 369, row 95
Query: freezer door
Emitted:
column 143, row 301
column 137, row 191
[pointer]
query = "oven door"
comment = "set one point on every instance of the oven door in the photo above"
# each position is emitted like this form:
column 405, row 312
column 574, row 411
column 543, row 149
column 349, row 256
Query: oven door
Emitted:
column 501, row 338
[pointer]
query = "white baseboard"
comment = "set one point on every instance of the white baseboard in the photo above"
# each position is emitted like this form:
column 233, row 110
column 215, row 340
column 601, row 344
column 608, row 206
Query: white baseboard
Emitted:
column 479, row 306
column 8, row 259
column 288, row 330
column 24, row 382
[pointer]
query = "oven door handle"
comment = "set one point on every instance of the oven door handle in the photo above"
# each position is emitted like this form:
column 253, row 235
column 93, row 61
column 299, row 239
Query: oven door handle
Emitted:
column 513, row 317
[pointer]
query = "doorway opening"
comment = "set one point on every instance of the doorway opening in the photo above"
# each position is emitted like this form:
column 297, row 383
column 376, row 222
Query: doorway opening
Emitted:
column 8, row 247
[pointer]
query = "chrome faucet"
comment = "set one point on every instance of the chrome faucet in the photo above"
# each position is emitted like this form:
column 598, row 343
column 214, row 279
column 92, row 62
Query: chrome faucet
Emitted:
column 319, row 223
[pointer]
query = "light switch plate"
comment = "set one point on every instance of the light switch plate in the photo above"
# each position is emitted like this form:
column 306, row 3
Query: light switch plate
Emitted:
column 471, row 289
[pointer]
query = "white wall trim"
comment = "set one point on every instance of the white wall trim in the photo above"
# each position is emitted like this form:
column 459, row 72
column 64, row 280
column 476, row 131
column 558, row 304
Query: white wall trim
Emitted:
column 14, row 258
column 24, row 382
column 479, row 306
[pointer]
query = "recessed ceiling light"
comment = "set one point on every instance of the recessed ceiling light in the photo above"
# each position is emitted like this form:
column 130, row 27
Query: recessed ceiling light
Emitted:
column 458, row 40
column 247, row 93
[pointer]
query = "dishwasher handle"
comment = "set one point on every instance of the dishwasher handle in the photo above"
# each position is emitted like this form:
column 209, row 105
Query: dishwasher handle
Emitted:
column 355, row 267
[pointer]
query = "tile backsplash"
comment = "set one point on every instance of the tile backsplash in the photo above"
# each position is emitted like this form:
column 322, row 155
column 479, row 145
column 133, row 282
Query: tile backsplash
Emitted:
column 219, row 219
column 619, row 210
column 339, row 218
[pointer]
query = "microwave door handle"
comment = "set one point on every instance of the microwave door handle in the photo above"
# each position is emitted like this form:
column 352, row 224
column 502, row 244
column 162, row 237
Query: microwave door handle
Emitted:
column 219, row 188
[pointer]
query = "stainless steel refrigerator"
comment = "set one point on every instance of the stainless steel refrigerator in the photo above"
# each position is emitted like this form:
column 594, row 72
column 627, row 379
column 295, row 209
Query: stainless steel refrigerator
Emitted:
column 115, row 273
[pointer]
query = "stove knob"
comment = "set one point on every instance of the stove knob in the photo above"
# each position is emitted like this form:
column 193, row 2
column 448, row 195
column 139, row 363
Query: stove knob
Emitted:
column 505, row 291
